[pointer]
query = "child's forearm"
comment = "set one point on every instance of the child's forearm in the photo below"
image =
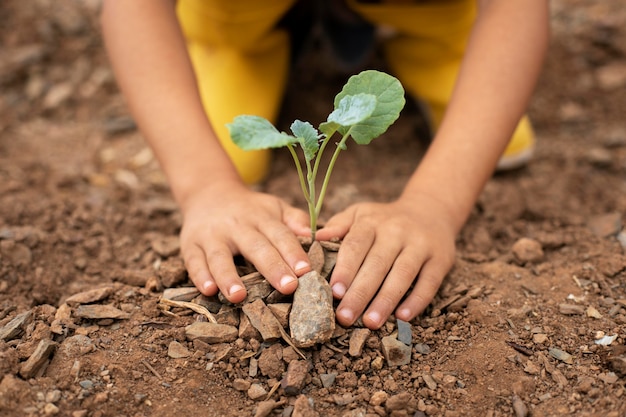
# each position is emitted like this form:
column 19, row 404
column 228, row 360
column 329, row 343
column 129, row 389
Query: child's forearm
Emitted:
column 150, row 60
column 502, row 63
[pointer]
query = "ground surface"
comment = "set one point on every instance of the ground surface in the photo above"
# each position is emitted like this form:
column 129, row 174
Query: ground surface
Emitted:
column 84, row 205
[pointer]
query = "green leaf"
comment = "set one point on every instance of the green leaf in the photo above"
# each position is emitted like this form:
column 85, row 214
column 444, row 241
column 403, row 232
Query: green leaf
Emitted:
column 353, row 109
column 255, row 132
column 308, row 137
column 328, row 128
column 389, row 96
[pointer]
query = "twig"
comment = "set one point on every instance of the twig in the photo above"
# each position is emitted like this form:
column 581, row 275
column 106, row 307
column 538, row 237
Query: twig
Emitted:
column 290, row 342
column 192, row 306
column 272, row 391
column 151, row 369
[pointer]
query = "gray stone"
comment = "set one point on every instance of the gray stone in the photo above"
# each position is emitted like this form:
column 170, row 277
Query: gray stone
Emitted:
column 312, row 317
column 91, row 296
column 316, row 257
column 571, row 309
column 181, row 293
column 328, row 379
column 405, row 332
column 177, row 351
column 100, row 312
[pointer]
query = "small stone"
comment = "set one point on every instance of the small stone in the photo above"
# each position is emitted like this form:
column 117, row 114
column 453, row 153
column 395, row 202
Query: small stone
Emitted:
column 593, row 313
column 246, row 330
column 571, row 309
column 608, row 378
column 16, row 327
column 600, row 157
column 328, row 379
column 561, row 355
column 429, row 381
column 86, row 384
column 270, row 361
column 177, row 351
column 396, row 353
column 53, row 396
column 531, row 368
column 228, row 315
column 58, row 95
column 377, row 363
column 540, row 338
column 265, row 408
column 256, row 391
column 378, row 398
column 91, row 296
column 519, row 407
column 303, row 407
column 241, row 384
column 527, row 250
column 98, row 312
column 422, row 348
column 38, row 361
column 281, row 312
column 295, row 377
column 211, row 332
column 118, row 125
column 405, row 334
column 358, row 337
column 262, row 318
column 312, row 317
column 181, row 293
column 399, row 401
column 50, row 409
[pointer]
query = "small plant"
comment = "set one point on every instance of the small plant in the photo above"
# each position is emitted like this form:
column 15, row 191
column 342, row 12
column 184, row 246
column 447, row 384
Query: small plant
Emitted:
column 366, row 106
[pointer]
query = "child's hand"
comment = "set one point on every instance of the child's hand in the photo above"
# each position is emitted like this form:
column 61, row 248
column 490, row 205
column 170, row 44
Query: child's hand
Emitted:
column 386, row 247
column 229, row 219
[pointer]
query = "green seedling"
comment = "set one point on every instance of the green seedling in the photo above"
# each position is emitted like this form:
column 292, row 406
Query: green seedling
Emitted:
column 364, row 109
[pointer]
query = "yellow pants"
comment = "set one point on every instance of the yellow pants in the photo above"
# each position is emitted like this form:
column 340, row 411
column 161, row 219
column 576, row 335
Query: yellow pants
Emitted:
column 242, row 60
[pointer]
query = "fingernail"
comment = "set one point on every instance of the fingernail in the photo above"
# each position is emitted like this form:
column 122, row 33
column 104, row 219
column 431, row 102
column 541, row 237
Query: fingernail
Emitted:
column 339, row 290
column 301, row 266
column 234, row 289
column 286, row 280
column 404, row 314
column 346, row 314
column 374, row 317
column 207, row 285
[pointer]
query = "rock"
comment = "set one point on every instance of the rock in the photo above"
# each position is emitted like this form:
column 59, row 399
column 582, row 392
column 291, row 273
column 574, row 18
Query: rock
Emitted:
column 16, row 327
column 176, row 350
column 91, row 296
column 256, row 391
column 295, row 377
column 181, row 293
column 405, row 332
column 228, row 315
column 396, row 353
column 608, row 378
column 172, row 272
column 358, row 337
column 241, row 384
column 211, row 332
column 378, row 398
column 540, row 338
column 262, row 318
column 270, row 361
column 519, row 407
column 136, row 278
column 58, row 95
column 118, row 125
column 265, row 408
column 303, row 407
column 561, row 355
column 50, row 409
column 330, row 259
column 593, row 312
column 246, row 330
column 398, row 401
column 37, row 362
column 312, row 317
column 281, row 312
column 600, row 157
column 316, row 257
column 259, row 290
column 605, row 225
column 429, row 381
column 527, row 250
column 571, row 309
column 99, row 312
column 165, row 246
column 328, row 379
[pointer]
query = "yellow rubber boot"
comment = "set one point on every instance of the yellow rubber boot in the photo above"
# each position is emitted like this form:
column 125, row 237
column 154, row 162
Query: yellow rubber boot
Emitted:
column 241, row 63
column 425, row 53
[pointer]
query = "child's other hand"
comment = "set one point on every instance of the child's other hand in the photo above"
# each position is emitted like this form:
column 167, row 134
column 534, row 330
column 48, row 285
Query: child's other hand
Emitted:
column 385, row 248
column 229, row 219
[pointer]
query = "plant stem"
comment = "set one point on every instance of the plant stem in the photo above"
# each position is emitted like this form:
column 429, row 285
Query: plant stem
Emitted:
column 329, row 170
column 299, row 169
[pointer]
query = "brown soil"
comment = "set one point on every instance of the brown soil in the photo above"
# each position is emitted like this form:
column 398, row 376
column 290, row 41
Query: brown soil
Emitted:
column 83, row 205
